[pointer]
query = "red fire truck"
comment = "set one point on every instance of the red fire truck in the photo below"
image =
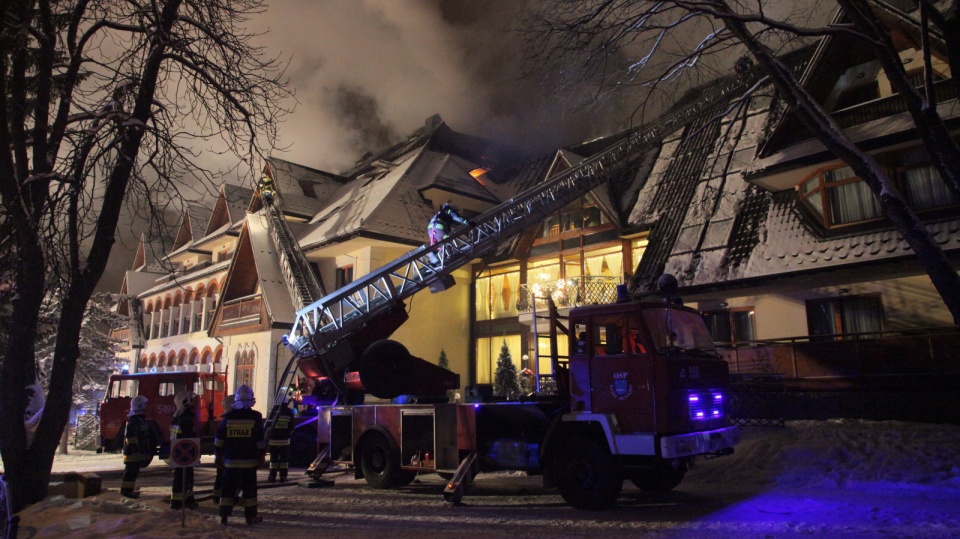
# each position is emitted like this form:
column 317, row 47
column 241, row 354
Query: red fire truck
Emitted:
column 642, row 394
column 159, row 388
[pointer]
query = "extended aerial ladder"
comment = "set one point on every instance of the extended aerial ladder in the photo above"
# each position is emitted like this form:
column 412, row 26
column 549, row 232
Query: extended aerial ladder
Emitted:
column 330, row 335
column 302, row 283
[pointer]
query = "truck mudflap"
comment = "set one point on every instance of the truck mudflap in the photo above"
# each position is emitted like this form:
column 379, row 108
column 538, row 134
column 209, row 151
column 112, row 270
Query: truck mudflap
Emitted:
column 700, row 443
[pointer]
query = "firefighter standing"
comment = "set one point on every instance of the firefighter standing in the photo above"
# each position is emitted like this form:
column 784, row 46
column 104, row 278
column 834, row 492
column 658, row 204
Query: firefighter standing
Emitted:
column 218, row 461
column 184, row 425
column 240, row 443
column 442, row 223
column 138, row 446
column 279, row 444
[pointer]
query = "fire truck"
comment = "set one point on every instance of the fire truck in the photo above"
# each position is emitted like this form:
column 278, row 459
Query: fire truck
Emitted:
column 159, row 388
column 640, row 392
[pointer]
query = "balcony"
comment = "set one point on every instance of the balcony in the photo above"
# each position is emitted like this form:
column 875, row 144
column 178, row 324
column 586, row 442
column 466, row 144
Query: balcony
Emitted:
column 242, row 311
column 566, row 293
column 862, row 113
column 915, row 358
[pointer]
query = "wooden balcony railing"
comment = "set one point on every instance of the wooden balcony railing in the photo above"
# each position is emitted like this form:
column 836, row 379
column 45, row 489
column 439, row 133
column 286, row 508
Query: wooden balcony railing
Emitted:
column 242, row 311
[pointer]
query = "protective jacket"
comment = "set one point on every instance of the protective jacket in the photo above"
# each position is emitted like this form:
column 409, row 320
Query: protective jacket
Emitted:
column 442, row 223
column 239, row 438
column 282, row 429
column 138, row 443
column 184, row 425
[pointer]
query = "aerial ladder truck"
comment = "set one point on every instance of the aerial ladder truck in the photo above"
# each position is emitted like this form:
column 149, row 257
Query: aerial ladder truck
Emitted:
column 641, row 393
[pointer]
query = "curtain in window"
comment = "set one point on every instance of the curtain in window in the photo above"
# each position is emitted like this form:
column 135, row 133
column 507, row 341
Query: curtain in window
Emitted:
column 925, row 189
column 852, row 202
column 483, row 298
column 506, row 300
column 862, row 315
column 743, row 325
column 614, row 264
column 594, row 265
column 497, row 283
column 488, row 352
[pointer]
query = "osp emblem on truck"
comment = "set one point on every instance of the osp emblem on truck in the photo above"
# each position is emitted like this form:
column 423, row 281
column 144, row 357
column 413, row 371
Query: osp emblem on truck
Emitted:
column 621, row 388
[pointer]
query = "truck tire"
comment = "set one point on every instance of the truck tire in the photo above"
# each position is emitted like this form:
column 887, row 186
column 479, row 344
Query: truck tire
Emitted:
column 380, row 463
column 587, row 474
column 664, row 477
column 303, row 448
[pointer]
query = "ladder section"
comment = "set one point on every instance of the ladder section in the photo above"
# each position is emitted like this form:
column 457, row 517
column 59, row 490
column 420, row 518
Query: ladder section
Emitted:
column 321, row 324
column 282, row 396
column 302, row 283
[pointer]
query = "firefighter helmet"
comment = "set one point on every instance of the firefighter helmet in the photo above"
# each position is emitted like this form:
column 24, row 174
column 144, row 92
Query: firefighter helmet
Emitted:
column 183, row 399
column 227, row 402
column 243, row 398
column 138, row 405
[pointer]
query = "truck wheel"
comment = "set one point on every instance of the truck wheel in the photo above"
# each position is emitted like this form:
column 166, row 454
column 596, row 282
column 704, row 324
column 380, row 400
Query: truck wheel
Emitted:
column 379, row 462
column 587, row 475
column 303, row 448
column 663, row 478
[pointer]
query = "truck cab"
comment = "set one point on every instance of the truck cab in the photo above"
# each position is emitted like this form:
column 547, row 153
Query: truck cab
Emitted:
column 159, row 388
column 647, row 392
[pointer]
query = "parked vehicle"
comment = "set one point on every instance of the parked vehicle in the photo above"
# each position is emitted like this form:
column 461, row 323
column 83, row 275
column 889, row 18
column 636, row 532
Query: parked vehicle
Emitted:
column 159, row 388
column 642, row 393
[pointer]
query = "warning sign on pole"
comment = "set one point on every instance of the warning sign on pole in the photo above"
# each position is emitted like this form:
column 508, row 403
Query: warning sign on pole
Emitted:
column 185, row 452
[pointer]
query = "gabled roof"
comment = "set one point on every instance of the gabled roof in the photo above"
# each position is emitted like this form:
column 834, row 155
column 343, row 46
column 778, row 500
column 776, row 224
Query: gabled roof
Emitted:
column 150, row 254
column 386, row 194
column 386, row 205
column 193, row 225
column 255, row 250
column 229, row 209
column 293, row 180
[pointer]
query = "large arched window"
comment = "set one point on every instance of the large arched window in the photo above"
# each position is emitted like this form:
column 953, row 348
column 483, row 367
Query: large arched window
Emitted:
column 245, row 367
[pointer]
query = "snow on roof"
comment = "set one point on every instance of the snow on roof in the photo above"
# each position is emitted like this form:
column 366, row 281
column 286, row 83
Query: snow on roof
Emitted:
column 237, row 198
column 383, row 204
column 273, row 288
column 788, row 246
column 199, row 217
column 292, row 180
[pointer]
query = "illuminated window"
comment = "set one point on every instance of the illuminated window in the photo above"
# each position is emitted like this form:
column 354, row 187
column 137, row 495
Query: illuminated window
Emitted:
column 497, row 292
column 581, row 214
column 246, row 362
column 488, row 350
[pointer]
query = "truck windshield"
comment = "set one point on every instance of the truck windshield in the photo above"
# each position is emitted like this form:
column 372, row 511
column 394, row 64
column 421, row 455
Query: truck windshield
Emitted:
column 678, row 330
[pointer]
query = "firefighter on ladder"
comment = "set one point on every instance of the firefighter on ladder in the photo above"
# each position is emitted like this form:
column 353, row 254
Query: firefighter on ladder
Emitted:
column 267, row 189
column 279, row 443
column 442, row 223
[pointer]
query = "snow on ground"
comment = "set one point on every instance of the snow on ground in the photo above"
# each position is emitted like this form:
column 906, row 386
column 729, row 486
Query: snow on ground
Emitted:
column 838, row 478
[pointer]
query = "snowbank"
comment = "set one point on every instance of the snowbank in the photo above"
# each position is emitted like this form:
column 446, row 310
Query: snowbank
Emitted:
column 843, row 453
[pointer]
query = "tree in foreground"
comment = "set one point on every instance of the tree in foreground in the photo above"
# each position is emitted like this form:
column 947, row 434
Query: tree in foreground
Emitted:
column 443, row 361
column 104, row 104
column 505, row 383
column 648, row 47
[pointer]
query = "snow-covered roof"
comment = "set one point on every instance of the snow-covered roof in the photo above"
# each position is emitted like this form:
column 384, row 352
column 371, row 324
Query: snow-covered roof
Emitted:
column 385, row 204
column 273, row 288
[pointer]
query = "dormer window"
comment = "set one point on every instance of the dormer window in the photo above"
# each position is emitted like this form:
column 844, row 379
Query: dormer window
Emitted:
column 837, row 197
